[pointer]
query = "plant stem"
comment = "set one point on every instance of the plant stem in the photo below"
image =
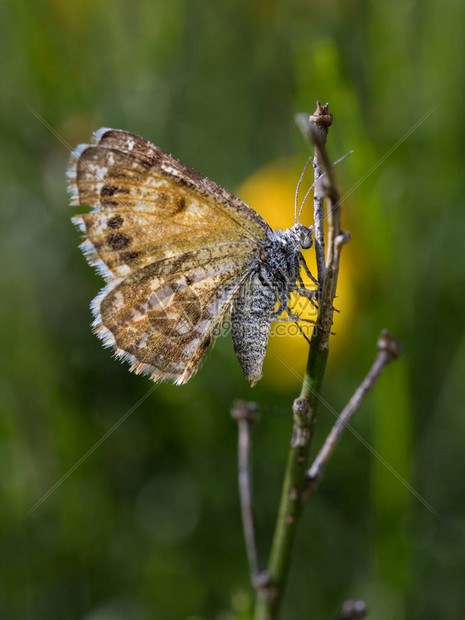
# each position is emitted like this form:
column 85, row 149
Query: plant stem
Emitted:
column 305, row 407
column 245, row 415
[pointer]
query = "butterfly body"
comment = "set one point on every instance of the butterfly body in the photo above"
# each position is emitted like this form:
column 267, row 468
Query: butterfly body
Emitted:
column 178, row 253
column 271, row 283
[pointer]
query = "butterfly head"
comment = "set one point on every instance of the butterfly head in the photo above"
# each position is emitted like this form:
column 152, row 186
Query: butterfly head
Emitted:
column 302, row 235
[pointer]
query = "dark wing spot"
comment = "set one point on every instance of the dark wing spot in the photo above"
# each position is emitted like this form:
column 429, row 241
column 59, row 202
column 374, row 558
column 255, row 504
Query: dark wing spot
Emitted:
column 108, row 190
column 127, row 257
column 180, row 204
column 115, row 222
column 177, row 203
column 118, row 241
column 105, row 193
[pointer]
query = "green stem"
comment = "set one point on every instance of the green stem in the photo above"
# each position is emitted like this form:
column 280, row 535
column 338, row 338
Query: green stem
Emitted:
column 305, row 408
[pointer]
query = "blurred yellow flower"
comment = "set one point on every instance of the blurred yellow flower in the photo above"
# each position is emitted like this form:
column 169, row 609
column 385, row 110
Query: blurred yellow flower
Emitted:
column 270, row 191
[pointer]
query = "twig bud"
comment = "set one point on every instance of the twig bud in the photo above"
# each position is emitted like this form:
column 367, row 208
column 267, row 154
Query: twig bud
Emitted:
column 300, row 407
column 243, row 410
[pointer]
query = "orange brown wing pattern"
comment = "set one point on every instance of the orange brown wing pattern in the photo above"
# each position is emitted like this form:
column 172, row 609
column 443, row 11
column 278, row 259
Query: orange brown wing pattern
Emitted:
column 147, row 205
column 162, row 318
column 173, row 246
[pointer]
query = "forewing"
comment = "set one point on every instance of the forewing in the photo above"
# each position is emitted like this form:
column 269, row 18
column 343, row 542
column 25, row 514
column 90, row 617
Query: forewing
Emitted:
column 149, row 206
column 162, row 318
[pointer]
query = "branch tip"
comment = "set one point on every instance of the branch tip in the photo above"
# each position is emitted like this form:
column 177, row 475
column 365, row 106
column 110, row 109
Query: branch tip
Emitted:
column 389, row 344
column 321, row 114
column 315, row 126
column 243, row 410
column 351, row 610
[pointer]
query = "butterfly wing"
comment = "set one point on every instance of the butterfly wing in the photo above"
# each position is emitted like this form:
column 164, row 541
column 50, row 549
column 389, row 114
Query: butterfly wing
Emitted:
column 147, row 205
column 163, row 317
column 173, row 246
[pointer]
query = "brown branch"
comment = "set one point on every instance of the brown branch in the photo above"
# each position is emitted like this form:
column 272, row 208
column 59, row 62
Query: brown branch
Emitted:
column 245, row 415
column 388, row 351
column 336, row 237
column 321, row 121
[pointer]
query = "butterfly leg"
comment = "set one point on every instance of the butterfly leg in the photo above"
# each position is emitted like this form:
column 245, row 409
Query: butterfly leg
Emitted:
column 310, row 295
column 307, row 270
column 294, row 318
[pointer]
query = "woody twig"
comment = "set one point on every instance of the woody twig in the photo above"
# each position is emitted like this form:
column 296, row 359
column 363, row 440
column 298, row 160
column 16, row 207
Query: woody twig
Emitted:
column 319, row 122
column 388, row 351
column 245, row 415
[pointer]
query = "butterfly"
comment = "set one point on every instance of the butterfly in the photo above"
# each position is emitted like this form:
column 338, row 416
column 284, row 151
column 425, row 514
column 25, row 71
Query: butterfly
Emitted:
column 178, row 253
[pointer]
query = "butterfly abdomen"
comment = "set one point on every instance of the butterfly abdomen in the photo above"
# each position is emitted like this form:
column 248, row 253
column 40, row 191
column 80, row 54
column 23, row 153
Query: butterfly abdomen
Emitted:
column 254, row 307
column 251, row 317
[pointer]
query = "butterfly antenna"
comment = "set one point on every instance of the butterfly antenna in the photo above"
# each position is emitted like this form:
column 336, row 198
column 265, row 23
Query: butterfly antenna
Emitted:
column 338, row 161
column 298, row 188
column 305, row 198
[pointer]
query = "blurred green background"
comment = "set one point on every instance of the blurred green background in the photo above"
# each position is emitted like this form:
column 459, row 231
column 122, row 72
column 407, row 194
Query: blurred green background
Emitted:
column 148, row 525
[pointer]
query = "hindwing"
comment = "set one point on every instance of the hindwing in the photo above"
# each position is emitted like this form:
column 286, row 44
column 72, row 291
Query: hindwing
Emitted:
column 163, row 317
